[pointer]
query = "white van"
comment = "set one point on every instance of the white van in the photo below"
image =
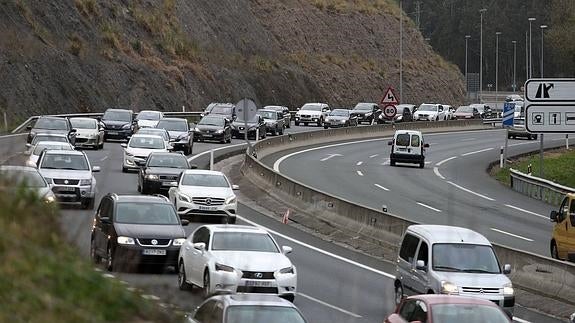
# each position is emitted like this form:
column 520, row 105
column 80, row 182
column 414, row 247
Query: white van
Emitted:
column 439, row 259
column 407, row 146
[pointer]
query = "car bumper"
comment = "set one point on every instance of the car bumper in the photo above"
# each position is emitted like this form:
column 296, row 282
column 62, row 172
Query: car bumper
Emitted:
column 425, row 118
column 307, row 119
column 211, row 136
column 72, row 194
column 507, row 303
column 232, row 282
column 117, row 133
column 86, row 142
column 519, row 133
column 158, row 186
column 407, row 158
column 190, row 209
column 134, row 254
column 241, row 133
column 334, row 124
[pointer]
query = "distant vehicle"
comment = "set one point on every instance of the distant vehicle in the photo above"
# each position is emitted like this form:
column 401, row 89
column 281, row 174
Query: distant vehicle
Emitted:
column 312, row 113
column 256, row 126
column 236, row 259
column 561, row 244
column 136, row 229
column 149, row 118
column 214, row 127
column 89, row 133
column 118, row 124
column 31, row 179
column 430, row 112
column 439, row 259
column 48, row 137
column 181, row 136
column 519, row 109
column 407, row 146
column 284, row 110
column 274, row 121
column 137, row 150
column 52, row 125
column 246, row 308
column 449, row 111
column 226, row 110
column 45, row 145
column 404, row 114
column 340, row 118
column 513, row 98
column 157, row 132
column 367, row 112
column 466, row 112
column 161, row 171
column 70, row 175
column 518, row 130
column 447, row 309
column 204, row 194
column 484, row 110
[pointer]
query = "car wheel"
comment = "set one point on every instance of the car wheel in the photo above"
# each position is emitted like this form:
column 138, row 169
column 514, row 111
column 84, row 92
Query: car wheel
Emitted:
column 281, row 131
column 288, row 125
column 124, row 169
column 392, row 162
column 229, row 141
column 88, row 203
column 274, row 132
column 554, row 252
column 325, row 127
column 296, row 123
column 421, row 164
column 290, row 297
column 320, row 122
column 398, row 293
column 206, row 290
column 182, row 279
column 534, row 137
column 110, row 261
column 93, row 253
column 139, row 188
column 437, row 118
column 188, row 150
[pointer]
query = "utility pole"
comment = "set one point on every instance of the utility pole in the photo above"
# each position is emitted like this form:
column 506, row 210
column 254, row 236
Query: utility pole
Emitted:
column 531, row 19
column 401, row 51
column 497, row 69
column 526, row 57
column 514, row 65
column 481, row 12
column 543, row 27
column 466, row 78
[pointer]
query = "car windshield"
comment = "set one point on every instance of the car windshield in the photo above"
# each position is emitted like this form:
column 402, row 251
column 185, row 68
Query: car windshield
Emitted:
column 118, row 116
column 243, row 241
column 208, row 180
column 468, row 313
column 222, row 110
column 39, row 138
column 428, row 107
column 149, row 115
column 211, row 121
column 253, row 119
column 340, row 113
column 173, row 125
column 363, row 106
column 155, row 132
column 269, row 115
column 146, row 213
column 262, row 314
column 65, row 161
column 51, row 146
column 154, row 142
column 84, row 123
column 168, row 161
column 462, row 257
column 464, row 109
column 311, row 107
column 51, row 124
column 24, row 177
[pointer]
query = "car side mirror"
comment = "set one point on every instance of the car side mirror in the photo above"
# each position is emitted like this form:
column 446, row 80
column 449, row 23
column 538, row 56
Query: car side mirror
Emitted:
column 420, row 265
column 286, row 250
column 185, row 222
column 389, row 143
column 425, row 145
column 96, row 169
column 105, row 219
column 193, row 166
column 235, row 187
column 101, row 129
column 73, row 130
column 124, row 145
column 553, row 216
column 28, row 145
column 200, row 246
column 507, row 269
column 28, row 127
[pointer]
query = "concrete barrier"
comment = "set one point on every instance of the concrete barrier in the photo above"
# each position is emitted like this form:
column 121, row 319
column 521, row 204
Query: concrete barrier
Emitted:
column 542, row 275
column 538, row 188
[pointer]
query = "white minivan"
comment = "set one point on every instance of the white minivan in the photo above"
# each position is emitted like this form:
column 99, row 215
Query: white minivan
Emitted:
column 439, row 259
column 407, row 146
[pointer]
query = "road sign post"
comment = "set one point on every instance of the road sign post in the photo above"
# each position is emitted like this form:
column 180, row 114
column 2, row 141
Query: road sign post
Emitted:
column 247, row 109
column 390, row 111
column 508, row 115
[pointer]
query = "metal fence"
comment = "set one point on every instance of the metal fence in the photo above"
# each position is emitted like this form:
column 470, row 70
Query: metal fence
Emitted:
column 538, row 188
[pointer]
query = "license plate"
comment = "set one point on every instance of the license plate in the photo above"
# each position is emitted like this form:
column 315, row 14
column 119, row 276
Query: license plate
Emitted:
column 113, row 133
column 258, row 283
column 170, row 184
column 206, row 135
column 207, row 208
column 402, row 149
column 65, row 189
column 154, row 252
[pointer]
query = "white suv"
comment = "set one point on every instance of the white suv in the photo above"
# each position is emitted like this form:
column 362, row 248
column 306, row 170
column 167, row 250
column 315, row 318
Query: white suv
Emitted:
column 312, row 113
column 430, row 112
column 204, row 193
column 137, row 150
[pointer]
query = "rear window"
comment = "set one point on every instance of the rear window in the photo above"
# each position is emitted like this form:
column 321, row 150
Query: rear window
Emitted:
column 415, row 141
column 402, row 139
column 408, row 247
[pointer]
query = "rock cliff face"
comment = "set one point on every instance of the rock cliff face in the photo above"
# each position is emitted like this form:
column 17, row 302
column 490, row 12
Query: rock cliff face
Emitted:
column 88, row 55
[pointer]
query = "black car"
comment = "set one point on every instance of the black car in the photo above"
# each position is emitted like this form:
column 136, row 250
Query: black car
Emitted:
column 274, row 121
column 52, row 125
column 484, row 110
column 118, row 124
column 366, row 112
column 181, row 136
column 340, row 118
column 161, row 172
column 226, row 110
column 214, row 127
column 284, row 110
column 255, row 126
column 136, row 229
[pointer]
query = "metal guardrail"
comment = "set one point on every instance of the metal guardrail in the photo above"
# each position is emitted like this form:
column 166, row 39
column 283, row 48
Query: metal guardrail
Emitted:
column 538, row 188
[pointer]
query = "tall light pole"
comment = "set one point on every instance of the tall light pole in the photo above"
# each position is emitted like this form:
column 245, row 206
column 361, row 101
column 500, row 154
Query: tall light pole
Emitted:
column 526, row 56
column 400, row 51
column 531, row 19
column 541, row 142
column 543, row 27
column 514, row 64
column 497, row 69
column 466, row 78
column 481, row 12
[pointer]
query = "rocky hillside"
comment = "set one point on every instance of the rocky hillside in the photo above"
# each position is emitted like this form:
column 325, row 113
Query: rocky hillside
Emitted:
column 88, row 55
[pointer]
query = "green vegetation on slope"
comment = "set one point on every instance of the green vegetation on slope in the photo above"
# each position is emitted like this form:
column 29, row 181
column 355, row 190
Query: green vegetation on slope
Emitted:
column 557, row 167
column 42, row 278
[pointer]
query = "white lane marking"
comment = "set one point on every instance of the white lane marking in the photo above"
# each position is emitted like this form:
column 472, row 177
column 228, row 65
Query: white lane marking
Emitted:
column 429, row 207
column 477, row 151
column 468, row 139
column 359, row 163
column 359, row 173
column 386, row 162
column 108, row 276
column 216, row 149
column 329, row 305
column 512, row 235
column 470, row 191
column 383, row 188
column 524, row 143
column 516, row 319
column 436, row 171
column 329, row 157
column 373, row 156
column 445, row 161
column 428, row 162
column 526, row 211
column 329, row 254
column 104, row 158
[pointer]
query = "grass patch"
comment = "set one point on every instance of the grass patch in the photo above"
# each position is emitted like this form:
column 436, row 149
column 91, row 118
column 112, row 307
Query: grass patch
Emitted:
column 370, row 7
column 76, row 45
column 87, row 8
column 558, row 166
column 42, row 278
column 39, row 30
column 111, row 36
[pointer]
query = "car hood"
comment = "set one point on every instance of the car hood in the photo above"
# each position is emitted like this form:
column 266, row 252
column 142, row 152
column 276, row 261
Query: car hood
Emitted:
column 66, row 173
column 426, row 112
column 337, row 118
column 313, row 113
column 360, row 112
column 474, row 279
column 175, row 134
column 59, row 131
column 464, row 114
column 114, row 122
column 164, row 171
column 86, row 132
column 221, row 192
column 147, row 123
column 143, row 151
column 203, row 127
column 252, row 260
column 150, row 231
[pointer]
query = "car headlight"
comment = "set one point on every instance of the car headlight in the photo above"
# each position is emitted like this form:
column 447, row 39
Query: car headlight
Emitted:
column 196, row 129
column 184, row 198
column 183, row 137
column 220, row 131
column 368, row 114
column 179, row 241
column 125, row 240
column 128, row 154
column 152, row 177
column 85, row 182
column 508, row 290
column 449, row 288
column 126, row 126
column 287, row 270
column 231, row 200
column 49, row 180
column 220, row 267
column 49, row 199
column 31, row 163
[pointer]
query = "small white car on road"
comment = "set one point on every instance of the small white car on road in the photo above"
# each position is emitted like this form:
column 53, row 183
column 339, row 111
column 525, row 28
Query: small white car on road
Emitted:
column 430, row 112
column 89, row 133
column 137, row 150
column 312, row 113
column 236, row 259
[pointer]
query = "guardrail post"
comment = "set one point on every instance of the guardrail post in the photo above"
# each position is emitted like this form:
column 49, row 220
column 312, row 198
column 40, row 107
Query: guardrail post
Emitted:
column 566, row 141
column 501, row 159
column 212, row 159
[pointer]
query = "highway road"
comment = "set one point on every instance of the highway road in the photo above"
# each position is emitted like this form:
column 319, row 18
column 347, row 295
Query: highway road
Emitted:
column 335, row 284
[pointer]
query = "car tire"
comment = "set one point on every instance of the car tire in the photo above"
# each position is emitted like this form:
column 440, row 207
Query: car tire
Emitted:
column 437, row 118
column 88, row 203
column 421, row 164
column 124, row 169
column 398, row 293
column 320, row 122
column 93, row 254
column 281, row 131
column 274, row 132
column 206, row 290
column 554, row 252
column 534, row 137
column 230, row 220
column 182, row 283
column 143, row 190
column 290, row 297
column 325, row 127
column 110, row 261
column 288, row 125
column 296, row 123
column 392, row 162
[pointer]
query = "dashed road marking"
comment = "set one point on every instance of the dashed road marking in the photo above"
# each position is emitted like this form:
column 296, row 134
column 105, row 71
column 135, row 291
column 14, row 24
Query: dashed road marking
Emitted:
column 330, row 156
column 359, row 163
column 477, row 151
column 470, row 191
column 512, row 235
column 359, row 173
column 429, row 207
column 383, row 188
column 526, row 211
column 373, row 156
column 329, row 305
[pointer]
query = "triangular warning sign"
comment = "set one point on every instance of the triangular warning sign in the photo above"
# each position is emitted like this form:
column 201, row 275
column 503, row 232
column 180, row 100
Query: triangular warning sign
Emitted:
column 389, row 98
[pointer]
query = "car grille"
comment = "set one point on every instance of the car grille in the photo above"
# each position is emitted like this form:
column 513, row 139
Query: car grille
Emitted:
column 169, row 177
column 254, row 274
column 306, row 116
column 81, row 140
column 479, row 290
column 159, row 242
column 263, row 290
column 114, row 127
column 60, row 181
column 208, row 131
column 208, row 201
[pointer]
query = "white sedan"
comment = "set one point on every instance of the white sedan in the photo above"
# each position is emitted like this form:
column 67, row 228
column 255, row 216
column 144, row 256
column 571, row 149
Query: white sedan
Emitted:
column 236, row 259
column 137, row 150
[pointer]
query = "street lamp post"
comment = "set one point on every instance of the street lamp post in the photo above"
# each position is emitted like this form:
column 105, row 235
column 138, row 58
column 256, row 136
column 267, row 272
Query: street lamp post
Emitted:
column 514, row 64
column 543, row 27
column 497, row 69
column 401, row 51
column 466, row 78
column 531, row 19
column 541, row 142
column 481, row 12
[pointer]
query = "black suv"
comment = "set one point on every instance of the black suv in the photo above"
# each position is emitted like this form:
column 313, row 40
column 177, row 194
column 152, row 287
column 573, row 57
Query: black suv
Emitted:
column 136, row 229
column 118, row 124
column 52, row 125
column 162, row 171
column 366, row 112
